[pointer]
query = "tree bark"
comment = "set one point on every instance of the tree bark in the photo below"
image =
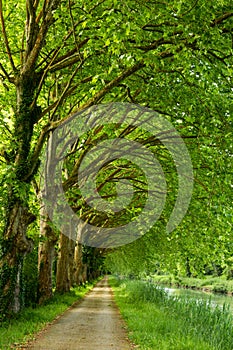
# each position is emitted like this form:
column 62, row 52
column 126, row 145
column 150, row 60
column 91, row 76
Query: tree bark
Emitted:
column 63, row 277
column 46, row 254
column 15, row 244
column 14, row 247
column 79, row 268
column 72, row 262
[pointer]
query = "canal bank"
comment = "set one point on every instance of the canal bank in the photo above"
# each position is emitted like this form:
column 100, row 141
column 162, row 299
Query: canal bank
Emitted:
column 221, row 300
column 218, row 285
column 159, row 320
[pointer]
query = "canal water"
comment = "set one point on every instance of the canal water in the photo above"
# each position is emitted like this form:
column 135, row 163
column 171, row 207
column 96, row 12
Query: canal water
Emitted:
column 216, row 299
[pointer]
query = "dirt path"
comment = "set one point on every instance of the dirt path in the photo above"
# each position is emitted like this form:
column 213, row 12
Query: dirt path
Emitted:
column 94, row 324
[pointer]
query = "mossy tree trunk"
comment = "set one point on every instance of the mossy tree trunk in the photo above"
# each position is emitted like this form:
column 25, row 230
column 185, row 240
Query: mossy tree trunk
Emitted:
column 15, row 243
column 14, row 248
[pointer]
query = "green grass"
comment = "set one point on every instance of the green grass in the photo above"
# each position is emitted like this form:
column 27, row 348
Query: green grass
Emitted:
column 23, row 327
column 157, row 321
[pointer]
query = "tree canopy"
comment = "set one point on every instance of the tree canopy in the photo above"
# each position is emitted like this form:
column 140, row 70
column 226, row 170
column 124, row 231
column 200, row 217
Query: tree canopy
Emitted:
column 174, row 57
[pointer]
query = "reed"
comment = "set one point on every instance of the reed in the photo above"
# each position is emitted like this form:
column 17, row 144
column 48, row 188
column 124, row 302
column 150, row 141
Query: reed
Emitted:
column 159, row 321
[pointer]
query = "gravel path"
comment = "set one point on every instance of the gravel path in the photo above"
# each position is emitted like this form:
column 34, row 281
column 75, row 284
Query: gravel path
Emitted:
column 94, row 324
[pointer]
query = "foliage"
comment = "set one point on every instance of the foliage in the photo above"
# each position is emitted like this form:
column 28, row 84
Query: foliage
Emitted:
column 57, row 57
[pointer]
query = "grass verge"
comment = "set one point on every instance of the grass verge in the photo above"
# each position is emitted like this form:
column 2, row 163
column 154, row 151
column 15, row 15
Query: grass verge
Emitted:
column 30, row 321
column 157, row 321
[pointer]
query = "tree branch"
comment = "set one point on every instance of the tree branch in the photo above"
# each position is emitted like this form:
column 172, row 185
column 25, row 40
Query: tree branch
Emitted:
column 73, row 27
column 45, row 72
column 5, row 155
column 68, row 93
column 31, row 28
column 63, row 95
column 37, row 150
column 70, row 58
column 6, row 75
column 162, row 41
column 221, row 19
column 6, row 39
column 113, row 83
column 95, row 99
column 189, row 10
column 57, row 64
column 36, row 4
column 154, row 27
column 38, row 43
column 222, row 59
column 69, row 61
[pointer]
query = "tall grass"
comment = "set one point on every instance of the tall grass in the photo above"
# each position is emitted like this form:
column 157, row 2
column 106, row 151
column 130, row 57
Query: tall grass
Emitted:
column 159, row 321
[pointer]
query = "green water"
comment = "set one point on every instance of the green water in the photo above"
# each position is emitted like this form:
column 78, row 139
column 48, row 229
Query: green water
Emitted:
column 216, row 299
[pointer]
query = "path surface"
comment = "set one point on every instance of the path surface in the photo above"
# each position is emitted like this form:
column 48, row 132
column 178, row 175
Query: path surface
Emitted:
column 94, row 324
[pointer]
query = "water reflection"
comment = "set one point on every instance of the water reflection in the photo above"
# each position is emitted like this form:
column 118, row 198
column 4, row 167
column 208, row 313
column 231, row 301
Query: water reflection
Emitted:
column 215, row 299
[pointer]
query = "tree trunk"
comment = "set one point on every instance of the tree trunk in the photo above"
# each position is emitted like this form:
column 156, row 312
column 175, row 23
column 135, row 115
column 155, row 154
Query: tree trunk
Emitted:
column 63, row 278
column 45, row 258
column 72, row 263
column 188, row 270
column 15, row 246
column 79, row 268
